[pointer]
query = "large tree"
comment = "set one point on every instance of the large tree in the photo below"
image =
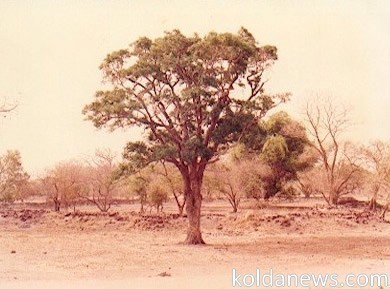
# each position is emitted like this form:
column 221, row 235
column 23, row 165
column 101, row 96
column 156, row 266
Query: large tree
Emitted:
column 283, row 151
column 193, row 95
column 279, row 148
column 326, row 121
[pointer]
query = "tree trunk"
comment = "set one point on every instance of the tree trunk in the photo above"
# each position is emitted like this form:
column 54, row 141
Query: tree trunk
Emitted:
column 333, row 194
column 385, row 209
column 373, row 202
column 57, row 206
column 193, row 208
column 193, row 196
column 333, row 199
column 142, row 210
column 181, row 210
column 180, row 205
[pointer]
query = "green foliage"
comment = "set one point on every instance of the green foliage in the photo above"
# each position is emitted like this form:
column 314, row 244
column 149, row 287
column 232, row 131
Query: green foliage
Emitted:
column 282, row 143
column 275, row 149
column 151, row 187
column 138, row 185
column 157, row 196
column 13, row 178
column 237, row 152
column 253, row 183
column 138, row 156
column 180, row 90
column 282, row 151
column 194, row 148
column 183, row 92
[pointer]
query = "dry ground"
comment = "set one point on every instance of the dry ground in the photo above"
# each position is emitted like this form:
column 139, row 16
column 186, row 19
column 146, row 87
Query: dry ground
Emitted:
column 43, row 249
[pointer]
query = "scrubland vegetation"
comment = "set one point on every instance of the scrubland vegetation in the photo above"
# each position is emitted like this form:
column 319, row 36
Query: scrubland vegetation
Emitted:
column 206, row 141
column 215, row 151
column 287, row 165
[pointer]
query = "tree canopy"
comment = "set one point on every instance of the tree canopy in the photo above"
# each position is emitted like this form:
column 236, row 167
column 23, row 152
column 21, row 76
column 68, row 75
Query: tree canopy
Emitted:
column 279, row 146
column 282, row 151
column 181, row 90
column 13, row 178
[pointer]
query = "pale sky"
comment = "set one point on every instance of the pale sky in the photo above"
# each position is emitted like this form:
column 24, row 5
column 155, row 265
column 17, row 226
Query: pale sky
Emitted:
column 50, row 52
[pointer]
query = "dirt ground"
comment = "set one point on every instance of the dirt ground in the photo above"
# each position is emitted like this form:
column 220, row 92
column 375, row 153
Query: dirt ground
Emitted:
column 122, row 249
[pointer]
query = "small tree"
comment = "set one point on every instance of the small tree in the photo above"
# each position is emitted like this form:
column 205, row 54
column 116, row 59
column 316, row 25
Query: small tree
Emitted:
column 188, row 94
column 63, row 184
column 13, row 178
column 377, row 163
column 157, row 196
column 101, row 180
column 227, row 182
column 150, row 186
column 252, row 177
column 138, row 185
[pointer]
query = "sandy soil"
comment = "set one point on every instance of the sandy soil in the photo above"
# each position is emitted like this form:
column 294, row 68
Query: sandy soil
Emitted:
column 43, row 249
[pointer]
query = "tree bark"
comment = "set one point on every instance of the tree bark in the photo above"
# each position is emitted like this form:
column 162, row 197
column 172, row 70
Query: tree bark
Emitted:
column 333, row 193
column 333, row 199
column 385, row 209
column 181, row 210
column 57, row 206
column 192, row 185
column 180, row 205
column 373, row 202
column 193, row 208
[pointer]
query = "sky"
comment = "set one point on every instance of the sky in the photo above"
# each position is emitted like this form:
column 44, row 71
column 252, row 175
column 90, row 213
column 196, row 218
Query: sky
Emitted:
column 50, row 52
